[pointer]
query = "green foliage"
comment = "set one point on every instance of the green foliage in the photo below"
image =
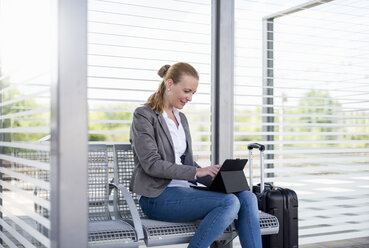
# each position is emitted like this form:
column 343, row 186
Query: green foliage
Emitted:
column 35, row 120
column 110, row 124
column 247, row 116
column 318, row 105
column 315, row 109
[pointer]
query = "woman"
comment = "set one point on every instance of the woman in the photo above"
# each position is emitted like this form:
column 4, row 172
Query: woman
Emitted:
column 164, row 167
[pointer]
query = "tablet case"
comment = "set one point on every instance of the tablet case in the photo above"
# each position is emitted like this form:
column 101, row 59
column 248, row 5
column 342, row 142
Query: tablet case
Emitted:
column 230, row 178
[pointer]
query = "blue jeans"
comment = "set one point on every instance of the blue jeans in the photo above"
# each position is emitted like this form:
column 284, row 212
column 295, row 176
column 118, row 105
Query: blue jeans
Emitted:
column 217, row 211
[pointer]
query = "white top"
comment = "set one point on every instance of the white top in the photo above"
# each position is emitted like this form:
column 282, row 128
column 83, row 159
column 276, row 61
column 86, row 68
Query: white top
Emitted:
column 179, row 141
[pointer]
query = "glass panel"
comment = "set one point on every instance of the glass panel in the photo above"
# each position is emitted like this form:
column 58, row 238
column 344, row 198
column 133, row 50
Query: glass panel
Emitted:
column 25, row 29
column 307, row 99
column 127, row 44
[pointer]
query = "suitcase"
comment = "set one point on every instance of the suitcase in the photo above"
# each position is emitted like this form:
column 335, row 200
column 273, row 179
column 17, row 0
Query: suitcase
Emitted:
column 280, row 202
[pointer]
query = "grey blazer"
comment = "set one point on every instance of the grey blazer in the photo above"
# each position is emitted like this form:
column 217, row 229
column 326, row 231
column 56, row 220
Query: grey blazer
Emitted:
column 154, row 153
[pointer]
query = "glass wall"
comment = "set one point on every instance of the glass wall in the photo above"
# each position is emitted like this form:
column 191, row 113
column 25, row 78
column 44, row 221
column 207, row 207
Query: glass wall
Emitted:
column 128, row 42
column 301, row 88
column 25, row 62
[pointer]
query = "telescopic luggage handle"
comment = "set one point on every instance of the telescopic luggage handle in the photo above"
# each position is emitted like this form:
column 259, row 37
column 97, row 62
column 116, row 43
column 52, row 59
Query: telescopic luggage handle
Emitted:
column 256, row 145
column 261, row 149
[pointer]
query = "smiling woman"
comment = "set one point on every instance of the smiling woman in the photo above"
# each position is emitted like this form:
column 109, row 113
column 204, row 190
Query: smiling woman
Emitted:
column 180, row 82
column 165, row 168
column 181, row 93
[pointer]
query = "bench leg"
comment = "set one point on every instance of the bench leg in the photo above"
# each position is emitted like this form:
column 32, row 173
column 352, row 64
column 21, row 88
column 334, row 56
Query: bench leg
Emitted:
column 220, row 244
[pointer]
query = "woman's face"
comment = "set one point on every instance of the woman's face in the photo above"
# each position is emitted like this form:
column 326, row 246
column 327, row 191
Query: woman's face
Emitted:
column 181, row 93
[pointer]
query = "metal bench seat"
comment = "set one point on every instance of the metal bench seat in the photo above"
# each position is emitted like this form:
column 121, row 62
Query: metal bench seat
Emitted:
column 268, row 223
column 159, row 232
column 174, row 233
column 111, row 233
column 166, row 233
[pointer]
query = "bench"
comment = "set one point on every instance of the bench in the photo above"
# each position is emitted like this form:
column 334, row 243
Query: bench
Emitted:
column 115, row 217
column 158, row 233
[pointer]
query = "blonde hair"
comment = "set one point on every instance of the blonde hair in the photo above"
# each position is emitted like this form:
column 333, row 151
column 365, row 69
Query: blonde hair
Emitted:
column 174, row 72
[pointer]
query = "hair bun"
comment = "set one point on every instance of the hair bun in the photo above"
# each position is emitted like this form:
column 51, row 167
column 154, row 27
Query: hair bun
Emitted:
column 163, row 70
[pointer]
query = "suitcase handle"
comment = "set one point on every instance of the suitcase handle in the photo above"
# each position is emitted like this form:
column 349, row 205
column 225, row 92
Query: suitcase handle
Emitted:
column 257, row 146
column 261, row 149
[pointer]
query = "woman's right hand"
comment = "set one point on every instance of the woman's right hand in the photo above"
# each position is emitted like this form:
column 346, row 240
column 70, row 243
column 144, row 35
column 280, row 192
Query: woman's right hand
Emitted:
column 211, row 170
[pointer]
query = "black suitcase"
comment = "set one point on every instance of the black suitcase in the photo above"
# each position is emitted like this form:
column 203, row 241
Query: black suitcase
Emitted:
column 280, row 202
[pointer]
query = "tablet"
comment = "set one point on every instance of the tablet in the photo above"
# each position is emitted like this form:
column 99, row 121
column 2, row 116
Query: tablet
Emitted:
column 229, row 179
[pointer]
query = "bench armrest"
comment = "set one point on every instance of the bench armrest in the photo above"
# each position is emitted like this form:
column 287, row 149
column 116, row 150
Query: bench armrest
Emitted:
column 132, row 208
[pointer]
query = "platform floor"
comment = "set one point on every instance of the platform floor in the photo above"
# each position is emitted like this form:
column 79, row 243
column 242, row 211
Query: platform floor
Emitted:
column 347, row 243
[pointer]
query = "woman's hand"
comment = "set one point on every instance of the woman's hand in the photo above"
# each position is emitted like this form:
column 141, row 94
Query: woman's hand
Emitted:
column 211, row 170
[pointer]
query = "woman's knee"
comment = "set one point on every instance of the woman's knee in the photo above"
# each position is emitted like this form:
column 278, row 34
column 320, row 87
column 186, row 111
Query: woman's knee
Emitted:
column 231, row 201
column 247, row 197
